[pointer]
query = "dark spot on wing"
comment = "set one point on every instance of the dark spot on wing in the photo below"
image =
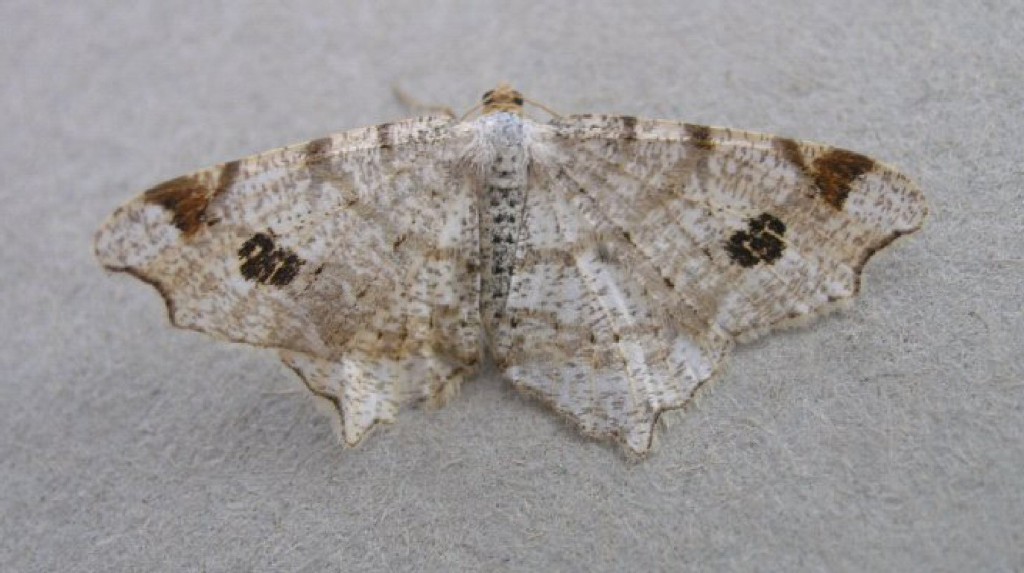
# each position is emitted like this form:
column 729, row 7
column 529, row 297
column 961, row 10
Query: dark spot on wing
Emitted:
column 628, row 127
column 385, row 137
column 761, row 242
column 264, row 263
column 700, row 136
column 317, row 150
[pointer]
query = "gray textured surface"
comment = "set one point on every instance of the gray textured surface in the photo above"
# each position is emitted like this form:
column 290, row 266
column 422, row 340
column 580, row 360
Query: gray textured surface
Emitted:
column 889, row 437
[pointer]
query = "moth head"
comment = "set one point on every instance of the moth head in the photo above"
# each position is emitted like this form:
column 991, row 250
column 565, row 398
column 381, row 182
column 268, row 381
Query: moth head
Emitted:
column 502, row 98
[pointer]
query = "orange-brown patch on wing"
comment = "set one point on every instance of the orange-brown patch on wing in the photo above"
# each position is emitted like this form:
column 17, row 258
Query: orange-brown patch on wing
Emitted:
column 792, row 152
column 834, row 171
column 188, row 198
column 228, row 174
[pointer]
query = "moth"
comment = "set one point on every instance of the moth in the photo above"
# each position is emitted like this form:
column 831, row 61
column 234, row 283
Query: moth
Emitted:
column 605, row 264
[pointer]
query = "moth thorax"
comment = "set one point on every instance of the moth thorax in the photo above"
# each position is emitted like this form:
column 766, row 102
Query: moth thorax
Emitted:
column 503, row 136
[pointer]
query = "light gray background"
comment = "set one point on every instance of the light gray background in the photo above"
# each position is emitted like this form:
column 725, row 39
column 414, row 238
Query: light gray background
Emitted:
column 888, row 437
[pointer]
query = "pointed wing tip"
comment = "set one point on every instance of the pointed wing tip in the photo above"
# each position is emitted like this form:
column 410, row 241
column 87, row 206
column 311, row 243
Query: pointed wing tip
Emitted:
column 109, row 241
column 639, row 440
column 347, row 435
column 351, row 426
column 123, row 244
column 355, row 432
column 905, row 197
column 919, row 210
column 105, row 242
column 134, row 235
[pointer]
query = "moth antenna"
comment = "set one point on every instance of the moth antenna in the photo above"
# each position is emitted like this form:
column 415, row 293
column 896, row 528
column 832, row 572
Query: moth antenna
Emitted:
column 416, row 106
column 545, row 108
column 471, row 111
